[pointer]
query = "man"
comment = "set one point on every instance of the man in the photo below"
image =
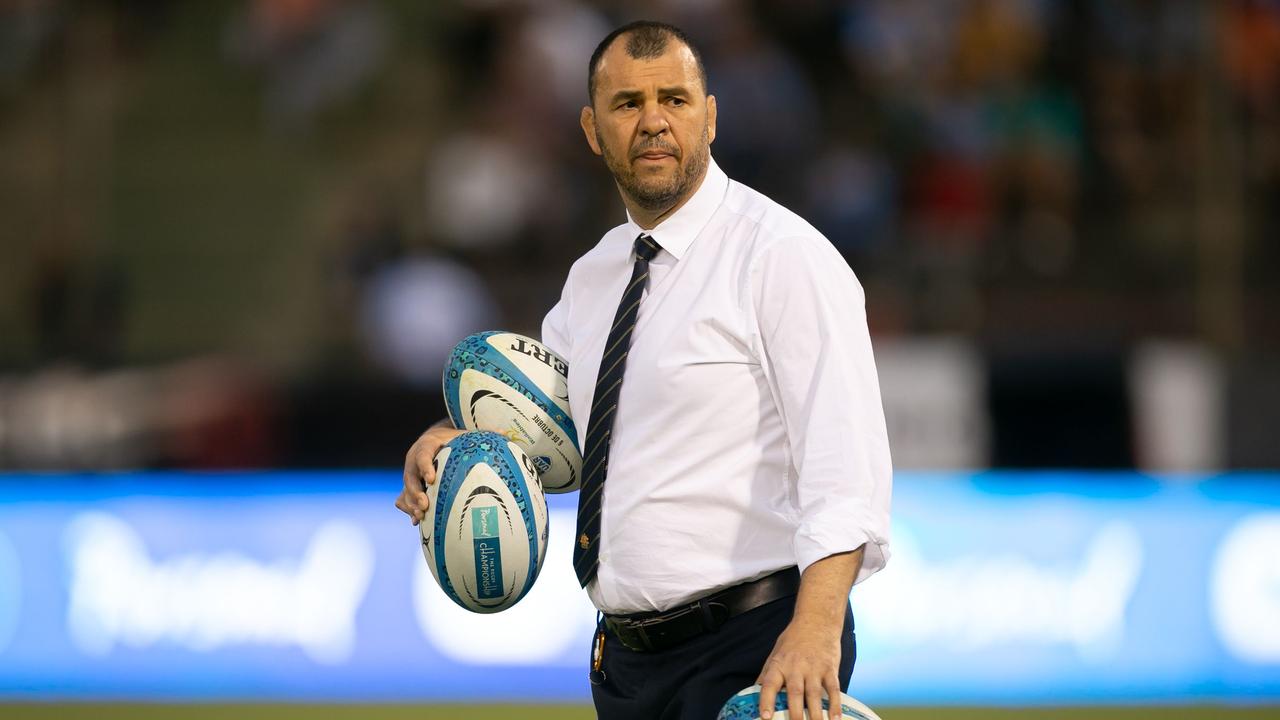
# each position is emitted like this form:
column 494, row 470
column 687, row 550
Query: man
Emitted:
column 736, row 471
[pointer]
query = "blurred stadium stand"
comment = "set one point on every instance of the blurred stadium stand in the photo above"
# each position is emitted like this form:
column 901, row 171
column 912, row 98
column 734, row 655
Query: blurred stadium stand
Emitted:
column 241, row 234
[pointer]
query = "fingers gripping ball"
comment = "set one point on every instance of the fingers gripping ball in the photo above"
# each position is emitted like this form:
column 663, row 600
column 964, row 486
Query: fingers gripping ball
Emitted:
column 746, row 706
column 487, row 534
column 513, row 385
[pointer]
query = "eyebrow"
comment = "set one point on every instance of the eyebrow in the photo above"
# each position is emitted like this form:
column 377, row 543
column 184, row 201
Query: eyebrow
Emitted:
column 632, row 94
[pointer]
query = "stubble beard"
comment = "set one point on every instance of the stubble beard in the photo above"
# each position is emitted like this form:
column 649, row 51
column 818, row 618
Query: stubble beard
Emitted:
column 660, row 193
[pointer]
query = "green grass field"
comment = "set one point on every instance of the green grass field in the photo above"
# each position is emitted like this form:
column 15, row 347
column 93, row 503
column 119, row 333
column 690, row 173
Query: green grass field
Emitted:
column 577, row 712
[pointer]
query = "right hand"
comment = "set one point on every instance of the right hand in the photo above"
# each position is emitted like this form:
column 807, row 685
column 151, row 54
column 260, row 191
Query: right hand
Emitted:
column 420, row 471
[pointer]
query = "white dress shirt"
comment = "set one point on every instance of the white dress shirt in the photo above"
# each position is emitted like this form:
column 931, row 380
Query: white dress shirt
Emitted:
column 749, row 434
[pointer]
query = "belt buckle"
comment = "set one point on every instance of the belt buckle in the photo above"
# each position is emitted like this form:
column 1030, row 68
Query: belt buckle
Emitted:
column 628, row 630
column 640, row 629
column 645, row 643
column 633, row 636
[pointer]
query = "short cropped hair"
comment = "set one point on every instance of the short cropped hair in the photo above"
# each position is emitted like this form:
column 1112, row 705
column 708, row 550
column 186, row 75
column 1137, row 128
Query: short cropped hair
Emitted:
column 646, row 39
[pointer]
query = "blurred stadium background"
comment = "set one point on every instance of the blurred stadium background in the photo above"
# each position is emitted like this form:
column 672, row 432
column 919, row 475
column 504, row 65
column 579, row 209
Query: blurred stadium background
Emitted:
column 238, row 238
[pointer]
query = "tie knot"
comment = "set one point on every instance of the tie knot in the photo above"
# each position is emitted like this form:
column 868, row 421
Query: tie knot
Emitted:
column 646, row 248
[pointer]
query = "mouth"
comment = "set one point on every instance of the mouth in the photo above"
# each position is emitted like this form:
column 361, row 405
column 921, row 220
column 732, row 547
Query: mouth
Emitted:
column 654, row 157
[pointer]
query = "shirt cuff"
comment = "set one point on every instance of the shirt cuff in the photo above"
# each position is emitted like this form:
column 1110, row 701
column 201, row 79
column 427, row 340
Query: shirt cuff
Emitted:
column 814, row 541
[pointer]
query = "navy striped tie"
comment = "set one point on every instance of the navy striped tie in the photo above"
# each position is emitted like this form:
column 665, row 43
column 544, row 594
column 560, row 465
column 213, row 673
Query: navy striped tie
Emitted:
column 595, row 463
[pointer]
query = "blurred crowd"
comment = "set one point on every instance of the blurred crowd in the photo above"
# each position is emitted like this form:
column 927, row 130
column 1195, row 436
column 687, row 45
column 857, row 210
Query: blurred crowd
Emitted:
column 248, row 233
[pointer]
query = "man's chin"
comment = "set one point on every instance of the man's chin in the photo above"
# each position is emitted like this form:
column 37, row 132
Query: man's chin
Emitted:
column 654, row 198
column 656, row 172
column 657, row 183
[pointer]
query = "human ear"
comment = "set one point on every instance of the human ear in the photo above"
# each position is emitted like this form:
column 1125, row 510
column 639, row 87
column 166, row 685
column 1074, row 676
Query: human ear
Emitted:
column 588, row 122
column 711, row 119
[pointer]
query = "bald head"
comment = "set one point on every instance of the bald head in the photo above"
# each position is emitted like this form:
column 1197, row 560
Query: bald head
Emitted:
column 644, row 40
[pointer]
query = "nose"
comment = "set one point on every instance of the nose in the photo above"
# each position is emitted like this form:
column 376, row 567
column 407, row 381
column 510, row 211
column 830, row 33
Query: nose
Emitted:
column 652, row 120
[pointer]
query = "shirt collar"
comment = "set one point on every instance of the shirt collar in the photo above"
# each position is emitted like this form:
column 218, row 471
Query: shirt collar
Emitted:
column 676, row 233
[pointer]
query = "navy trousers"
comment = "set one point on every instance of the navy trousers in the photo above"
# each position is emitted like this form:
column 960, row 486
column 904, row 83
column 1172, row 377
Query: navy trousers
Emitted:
column 693, row 680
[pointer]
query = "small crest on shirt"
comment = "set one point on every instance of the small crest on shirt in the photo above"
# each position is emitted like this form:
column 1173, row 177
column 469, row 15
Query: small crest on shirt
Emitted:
column 584, row 541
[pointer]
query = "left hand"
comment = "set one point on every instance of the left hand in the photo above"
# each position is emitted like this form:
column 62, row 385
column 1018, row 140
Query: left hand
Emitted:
column 805, row 660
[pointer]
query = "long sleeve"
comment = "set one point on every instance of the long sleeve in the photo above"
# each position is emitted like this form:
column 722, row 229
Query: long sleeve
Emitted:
column 816, row 349
column 555, row 325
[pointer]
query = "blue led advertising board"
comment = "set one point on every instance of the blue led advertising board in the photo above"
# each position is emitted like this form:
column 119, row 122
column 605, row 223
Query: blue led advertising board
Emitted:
column 1002, row 588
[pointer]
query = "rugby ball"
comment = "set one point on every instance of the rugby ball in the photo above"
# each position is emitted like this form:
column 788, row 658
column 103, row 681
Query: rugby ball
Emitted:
column 487, row 534
column 746, row 706
column 513, row 385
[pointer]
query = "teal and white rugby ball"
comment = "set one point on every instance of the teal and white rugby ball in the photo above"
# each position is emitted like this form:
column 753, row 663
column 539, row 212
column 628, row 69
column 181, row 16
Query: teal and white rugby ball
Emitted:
column 486, row 535
column 746, row 706
column 513, row 385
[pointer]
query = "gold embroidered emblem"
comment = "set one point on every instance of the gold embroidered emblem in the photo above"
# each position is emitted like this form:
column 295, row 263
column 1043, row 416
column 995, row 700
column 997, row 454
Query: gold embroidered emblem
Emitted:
column 584, row 541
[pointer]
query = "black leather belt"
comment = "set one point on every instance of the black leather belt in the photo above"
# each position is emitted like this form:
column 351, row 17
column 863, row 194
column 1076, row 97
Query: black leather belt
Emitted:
column 654, row 631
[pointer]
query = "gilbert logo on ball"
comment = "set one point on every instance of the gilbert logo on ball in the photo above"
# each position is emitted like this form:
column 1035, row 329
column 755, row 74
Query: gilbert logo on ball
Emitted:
column 487, row 534
column 513, row 385
column 746, row 706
